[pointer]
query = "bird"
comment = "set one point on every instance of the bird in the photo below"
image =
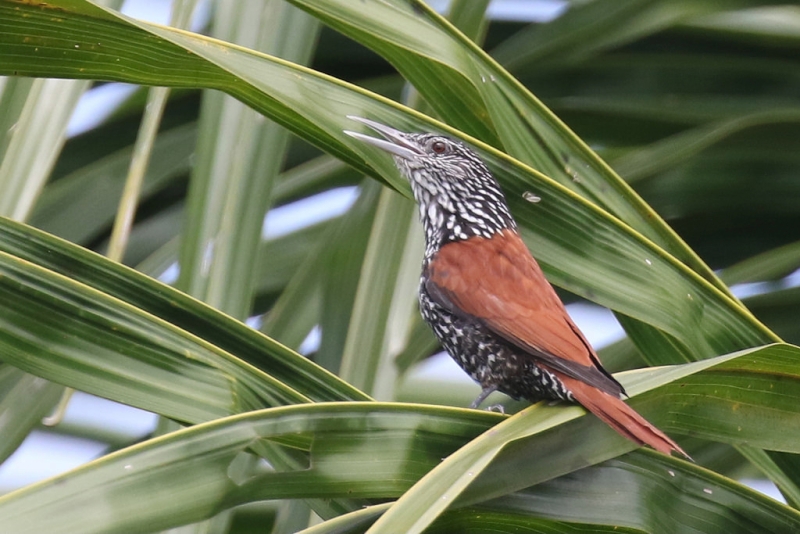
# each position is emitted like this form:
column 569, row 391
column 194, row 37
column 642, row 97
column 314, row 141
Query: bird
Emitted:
column 485, row 296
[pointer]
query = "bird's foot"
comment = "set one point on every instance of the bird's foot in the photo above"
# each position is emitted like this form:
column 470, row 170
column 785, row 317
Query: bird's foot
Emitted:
column 499, row 408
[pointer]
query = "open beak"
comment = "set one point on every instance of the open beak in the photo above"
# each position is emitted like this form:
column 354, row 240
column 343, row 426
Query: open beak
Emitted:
column 394, row 142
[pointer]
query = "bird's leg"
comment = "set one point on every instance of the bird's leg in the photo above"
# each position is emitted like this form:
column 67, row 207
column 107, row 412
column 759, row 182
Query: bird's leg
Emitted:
column 485, row 392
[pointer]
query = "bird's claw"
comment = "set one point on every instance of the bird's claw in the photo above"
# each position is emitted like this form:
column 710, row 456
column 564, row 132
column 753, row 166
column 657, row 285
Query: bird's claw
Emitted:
column 499, row 408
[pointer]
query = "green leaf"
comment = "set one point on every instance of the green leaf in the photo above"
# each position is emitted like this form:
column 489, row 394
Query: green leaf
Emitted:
column 669, row 152
column 466, row 87
column 657, row 81
column 65, row 210
column 193, row 466
column 339, row 265
column 649, row 492
column 367, row 358
column 39, row 110
column 24, row 400
column 500, row 460
column 240, row 156
column 769, row 265
column 774, row 472
column 377, row 450
column 587, row 29
column 92, row 296
column 584, row 249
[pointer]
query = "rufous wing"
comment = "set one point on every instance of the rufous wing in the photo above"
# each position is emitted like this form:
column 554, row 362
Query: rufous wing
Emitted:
column 498, row 283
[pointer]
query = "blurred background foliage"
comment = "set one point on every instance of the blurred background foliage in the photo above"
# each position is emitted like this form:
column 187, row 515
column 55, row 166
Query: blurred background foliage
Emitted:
column 694, row 105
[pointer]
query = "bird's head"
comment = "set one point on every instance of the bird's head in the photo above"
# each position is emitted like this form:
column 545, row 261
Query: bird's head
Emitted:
column 436, row 163
column 458, row 196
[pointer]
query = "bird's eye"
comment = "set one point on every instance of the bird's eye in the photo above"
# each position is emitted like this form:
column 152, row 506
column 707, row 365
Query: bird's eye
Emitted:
column 439, row 147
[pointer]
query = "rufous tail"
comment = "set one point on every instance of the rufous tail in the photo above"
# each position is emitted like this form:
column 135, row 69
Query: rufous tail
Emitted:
column 619, row 416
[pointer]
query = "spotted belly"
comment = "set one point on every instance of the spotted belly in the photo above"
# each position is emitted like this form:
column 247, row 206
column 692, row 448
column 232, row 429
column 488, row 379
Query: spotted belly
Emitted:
column 488, row 359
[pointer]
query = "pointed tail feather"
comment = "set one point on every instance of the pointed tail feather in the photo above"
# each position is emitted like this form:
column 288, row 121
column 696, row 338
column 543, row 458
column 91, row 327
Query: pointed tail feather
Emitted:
column 621, row 417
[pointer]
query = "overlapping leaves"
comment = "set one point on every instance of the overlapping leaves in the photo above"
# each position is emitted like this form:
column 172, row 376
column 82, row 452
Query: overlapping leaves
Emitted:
column 102, row 328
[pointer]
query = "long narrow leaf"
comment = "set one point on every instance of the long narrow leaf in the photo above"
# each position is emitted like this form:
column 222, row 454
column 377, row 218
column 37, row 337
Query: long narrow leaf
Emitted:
column 500, row 460
column 129, row 296
column 193, row 467
column 583, row 248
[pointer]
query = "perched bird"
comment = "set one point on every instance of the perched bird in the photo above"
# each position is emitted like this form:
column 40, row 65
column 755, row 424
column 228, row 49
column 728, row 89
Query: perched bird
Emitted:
column 486, row 298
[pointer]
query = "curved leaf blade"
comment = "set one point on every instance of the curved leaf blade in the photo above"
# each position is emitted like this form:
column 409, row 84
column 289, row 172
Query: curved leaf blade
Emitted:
column 95, row 294
column 583, row 248
column 185, row 476
column 500, row 460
